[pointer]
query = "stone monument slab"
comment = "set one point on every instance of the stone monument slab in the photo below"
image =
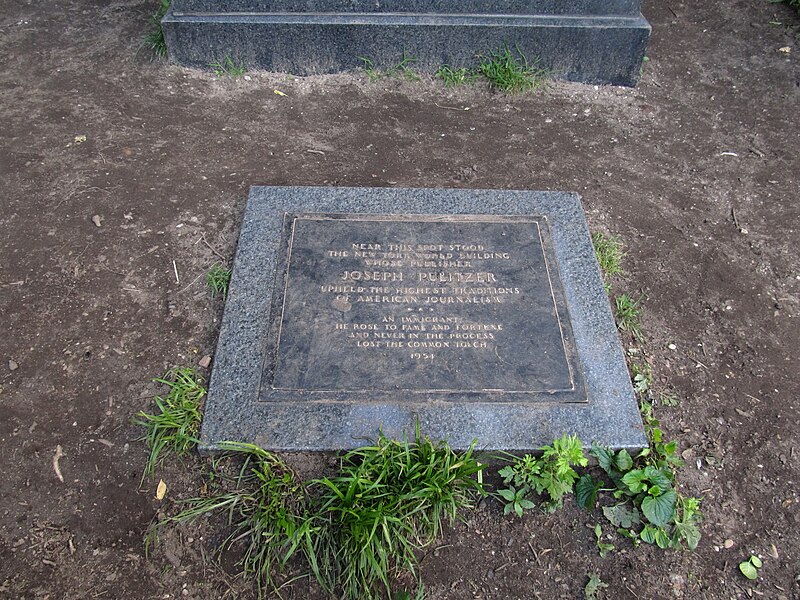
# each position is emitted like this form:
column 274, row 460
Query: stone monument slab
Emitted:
column 592, row 41
column 480, row 314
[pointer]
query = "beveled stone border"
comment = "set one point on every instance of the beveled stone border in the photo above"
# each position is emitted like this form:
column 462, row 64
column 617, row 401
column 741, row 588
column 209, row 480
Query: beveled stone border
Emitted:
column 611, row 417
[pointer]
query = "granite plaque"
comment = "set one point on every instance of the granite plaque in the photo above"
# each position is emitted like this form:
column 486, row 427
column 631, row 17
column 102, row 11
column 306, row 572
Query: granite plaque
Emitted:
column 480, row 314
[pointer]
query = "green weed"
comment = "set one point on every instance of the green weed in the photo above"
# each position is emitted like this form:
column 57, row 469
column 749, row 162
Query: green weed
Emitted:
column 174, row 428
column 668, row 398
column 452, row 77
column 228, row 67
column 218, row 279
column 603, row 548
column 402, row 70
column 642, row 378
column 594, row 588
column 389, row 500
column 608, row 250
column 650, row 506
column 628, row 312
column 154, row 40
column 516, row 499
column 369, row 69
column 750, row 567
column 645, row 60
column 266, row 507
column 512, row 73
column 364, row 527
column 551, row 474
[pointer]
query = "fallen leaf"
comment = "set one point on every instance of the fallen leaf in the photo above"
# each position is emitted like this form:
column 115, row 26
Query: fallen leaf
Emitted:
column 79, row 139
column 785, row 49
column 161, row 490
column 279, row 93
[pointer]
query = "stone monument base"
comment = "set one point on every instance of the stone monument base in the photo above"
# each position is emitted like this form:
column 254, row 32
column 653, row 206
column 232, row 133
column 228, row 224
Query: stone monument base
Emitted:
column 479, row 314
column 585, row 45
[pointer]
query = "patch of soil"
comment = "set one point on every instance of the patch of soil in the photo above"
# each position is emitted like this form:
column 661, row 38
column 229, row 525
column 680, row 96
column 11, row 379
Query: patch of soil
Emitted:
column 696, row 169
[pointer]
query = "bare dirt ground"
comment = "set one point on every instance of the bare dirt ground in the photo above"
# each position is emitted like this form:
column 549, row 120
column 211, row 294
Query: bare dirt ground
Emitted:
column 697, row 169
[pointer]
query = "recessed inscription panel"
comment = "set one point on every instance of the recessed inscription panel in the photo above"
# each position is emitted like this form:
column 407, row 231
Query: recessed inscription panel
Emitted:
column 456, row 306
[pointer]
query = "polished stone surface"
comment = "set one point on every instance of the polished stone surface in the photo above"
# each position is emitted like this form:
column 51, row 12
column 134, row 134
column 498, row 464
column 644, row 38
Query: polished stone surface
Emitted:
column 439, row 307
column 308, row 388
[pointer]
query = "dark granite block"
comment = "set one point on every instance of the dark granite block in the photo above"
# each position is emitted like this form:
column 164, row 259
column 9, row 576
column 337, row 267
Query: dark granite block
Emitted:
column 443, row 7
column 593, row 49
column 481, row 314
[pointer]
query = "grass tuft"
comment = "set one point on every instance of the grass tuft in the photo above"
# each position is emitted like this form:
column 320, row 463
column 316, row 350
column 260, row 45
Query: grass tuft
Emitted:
column 608, row 250
column 402, row 70
column 369, row 69
column 512, row 73
column 218, row 279
column 357, row 530
column 154, row 40
column 628, row 312
column 176, row 424
column 452, row 77
column 228, row 67
column 388, row 501
column 266, row 507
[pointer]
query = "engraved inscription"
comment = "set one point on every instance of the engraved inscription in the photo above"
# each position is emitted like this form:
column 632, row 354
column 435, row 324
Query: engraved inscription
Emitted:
column 376, row 302
column 437, row 270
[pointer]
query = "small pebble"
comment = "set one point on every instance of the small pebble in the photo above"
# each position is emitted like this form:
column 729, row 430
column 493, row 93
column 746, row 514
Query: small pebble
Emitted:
column 205, row 361
column 729, row 543
column 13, row 365
column 97, row 220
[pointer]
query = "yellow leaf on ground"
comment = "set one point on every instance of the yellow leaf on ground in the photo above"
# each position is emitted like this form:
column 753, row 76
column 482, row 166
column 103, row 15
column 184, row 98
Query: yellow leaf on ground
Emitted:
column 161, row 490
column 279, row 93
